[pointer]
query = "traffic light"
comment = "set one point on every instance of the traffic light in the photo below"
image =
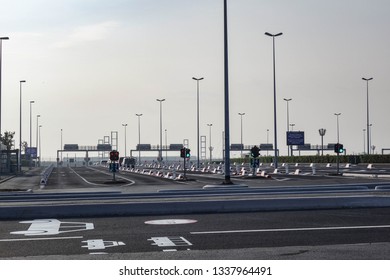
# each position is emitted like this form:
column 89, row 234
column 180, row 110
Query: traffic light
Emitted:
column 114, row 155
column 255, row 152
column 188, row 153
column 182, row 152
column 339, row 148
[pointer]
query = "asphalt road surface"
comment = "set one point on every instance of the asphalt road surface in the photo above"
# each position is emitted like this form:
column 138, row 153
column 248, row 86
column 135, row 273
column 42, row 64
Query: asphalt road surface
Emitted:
column 320, row 234
column 359, row 233
column 126, row 181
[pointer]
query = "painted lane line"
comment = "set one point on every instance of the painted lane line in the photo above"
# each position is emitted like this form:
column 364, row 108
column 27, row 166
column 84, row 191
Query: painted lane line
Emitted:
column 170, row 222
column 94, row 184
column 132, row 182
column 41, row 238
column 290, row 229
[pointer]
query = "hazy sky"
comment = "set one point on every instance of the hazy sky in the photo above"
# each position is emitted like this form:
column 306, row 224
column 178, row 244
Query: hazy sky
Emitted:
column 91, row 65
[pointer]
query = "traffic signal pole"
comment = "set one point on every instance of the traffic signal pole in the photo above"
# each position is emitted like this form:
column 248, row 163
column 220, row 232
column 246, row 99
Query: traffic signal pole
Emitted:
column 114, row 157
column 185, row 176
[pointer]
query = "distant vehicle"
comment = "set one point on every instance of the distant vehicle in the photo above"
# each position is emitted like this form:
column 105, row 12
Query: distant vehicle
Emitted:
column 127, row 162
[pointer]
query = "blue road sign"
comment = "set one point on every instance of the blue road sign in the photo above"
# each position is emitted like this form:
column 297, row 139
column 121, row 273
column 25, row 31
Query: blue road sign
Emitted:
column 296, row 138
column 32, row 151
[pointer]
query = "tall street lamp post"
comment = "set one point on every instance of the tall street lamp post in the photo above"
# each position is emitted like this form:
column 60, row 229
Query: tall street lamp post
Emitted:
column 322, row 132
column 227, row 180
column 368, row 117
column 210, row 147
column 166, row 145
column 267, row 139
column 61, row 147
column 20, row 125
column 275, row 128
column 288, row 122
column 338, row 128
column 40, row 145
column 241, row 146
column 139, row 138
column 30, row 143
column 36, row 142
column 125, row 125
column 369, row 136
column 1, row 41
column 364, row 140
column 197, row 117
column 338, row 142
column 160, row 150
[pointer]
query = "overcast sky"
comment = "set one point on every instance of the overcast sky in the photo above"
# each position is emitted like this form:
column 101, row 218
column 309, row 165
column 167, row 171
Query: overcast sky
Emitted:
column 91, row 65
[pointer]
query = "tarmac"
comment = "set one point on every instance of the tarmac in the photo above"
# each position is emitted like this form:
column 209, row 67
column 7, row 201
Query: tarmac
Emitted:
column 27, row 181
column 20, row 198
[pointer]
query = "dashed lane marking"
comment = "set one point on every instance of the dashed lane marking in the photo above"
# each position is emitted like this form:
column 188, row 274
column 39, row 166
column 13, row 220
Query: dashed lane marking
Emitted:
column 291, row 229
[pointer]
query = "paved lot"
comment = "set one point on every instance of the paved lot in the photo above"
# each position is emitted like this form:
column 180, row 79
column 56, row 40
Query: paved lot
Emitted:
column 99, row 179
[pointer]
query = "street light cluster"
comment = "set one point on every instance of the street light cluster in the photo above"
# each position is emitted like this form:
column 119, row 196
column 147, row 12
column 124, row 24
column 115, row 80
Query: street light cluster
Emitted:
column 28, row 148
column 226, row 105
column 160, row 157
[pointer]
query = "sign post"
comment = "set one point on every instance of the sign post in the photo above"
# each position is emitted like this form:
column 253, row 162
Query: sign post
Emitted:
column 185, row 154
column 255, row 152
column 114, row 166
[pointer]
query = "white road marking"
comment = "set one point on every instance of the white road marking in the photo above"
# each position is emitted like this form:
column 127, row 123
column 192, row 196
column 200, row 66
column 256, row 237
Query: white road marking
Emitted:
column 40, row 238
column 290, row 229
column 52, row 227
column 106, row 173
column 170, row 241
column 99, row 244
column 170, row 222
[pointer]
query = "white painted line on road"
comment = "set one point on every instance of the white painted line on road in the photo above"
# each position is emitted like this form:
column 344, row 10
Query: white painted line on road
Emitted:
column 171, row 222
column 94, row 184
column 41, row 238
column 118, row 176
column 290, row 229
column 281, row 179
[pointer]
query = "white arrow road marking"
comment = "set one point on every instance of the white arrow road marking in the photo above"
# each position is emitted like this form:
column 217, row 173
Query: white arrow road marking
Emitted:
column 52, row 227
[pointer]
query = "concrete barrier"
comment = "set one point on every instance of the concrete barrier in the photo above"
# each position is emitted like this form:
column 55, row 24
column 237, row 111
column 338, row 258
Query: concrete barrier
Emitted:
column 45, row 175
column 190, row 207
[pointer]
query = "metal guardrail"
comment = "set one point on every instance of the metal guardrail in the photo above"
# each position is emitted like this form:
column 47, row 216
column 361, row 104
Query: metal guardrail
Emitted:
column 46, row 174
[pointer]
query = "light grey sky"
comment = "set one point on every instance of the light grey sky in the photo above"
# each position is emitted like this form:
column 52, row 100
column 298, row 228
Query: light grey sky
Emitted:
column 91, row 65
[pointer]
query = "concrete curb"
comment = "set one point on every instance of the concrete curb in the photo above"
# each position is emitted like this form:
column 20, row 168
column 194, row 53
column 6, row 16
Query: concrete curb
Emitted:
column 191, row 207
column 7, row 178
